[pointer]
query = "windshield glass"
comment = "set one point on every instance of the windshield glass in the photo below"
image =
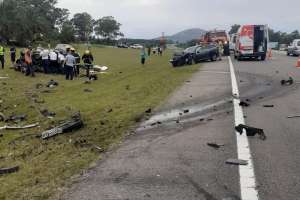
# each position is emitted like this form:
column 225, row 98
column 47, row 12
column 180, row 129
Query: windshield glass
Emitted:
column 190, row 49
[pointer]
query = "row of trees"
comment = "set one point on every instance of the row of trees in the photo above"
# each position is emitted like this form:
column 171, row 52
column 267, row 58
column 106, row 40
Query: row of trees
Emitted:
column 275, row 36
column 27, row 21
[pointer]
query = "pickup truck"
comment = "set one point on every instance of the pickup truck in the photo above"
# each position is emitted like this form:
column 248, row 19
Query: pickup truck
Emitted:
column 294, row 48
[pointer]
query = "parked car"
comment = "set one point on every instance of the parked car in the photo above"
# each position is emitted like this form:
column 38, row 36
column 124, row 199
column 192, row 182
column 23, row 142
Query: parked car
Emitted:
column 294, row 48
column 122, row 46
column 252, row 42
column 136, row 46
column 195, row 54
column 63, row 48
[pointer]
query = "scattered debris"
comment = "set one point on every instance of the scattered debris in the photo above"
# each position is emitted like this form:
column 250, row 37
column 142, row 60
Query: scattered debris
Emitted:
column 6, row 127
column 38, row 101
column 46, row 113
column 87, row 82
column 4, row 77
column 186, row 111
column 46, row 91
column 9, row 170
column 97, row 149
column 244, row 104
column 210, row 120
column 88, row 90
column 290, row 81
column 201, row 120
column 268, row 106
column 233, row 161
column 148, row 111
column 127, row 87
column 110, row 110
column 16, row 118
column 39, row 85
column 215, row 145
column 251, row 131
column 156, row 123
column 293, row 116
column 74, row 124
column 52, row 84
column 2, row 117
column 248, row 100
column 99, row 68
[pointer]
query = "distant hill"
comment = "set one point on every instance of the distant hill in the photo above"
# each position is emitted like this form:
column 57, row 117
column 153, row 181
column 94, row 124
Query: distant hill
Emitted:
column 187, row 35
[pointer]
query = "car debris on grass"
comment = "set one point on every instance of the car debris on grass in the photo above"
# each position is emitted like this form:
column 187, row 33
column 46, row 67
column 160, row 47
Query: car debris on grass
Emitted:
column 9, row 170
column 6, row 127
column 68, row 126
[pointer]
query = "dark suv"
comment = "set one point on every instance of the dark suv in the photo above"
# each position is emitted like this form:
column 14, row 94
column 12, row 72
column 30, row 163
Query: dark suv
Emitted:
column 195, row 54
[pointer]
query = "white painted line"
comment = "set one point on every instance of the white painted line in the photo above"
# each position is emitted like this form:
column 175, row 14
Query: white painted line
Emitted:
column 247, row 175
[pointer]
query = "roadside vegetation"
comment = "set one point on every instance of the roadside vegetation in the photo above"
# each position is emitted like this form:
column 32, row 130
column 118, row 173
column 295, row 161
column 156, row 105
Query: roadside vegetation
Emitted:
column 115, row 103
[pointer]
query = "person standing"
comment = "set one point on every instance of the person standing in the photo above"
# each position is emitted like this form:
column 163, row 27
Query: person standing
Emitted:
column 69, row 66
column 221, row 49
column 45, row 60
column 12, row 55
column 2, row 52
column 77, row 58
column 149, row 51
column 53, row 61
column 28, row 61
column 88, row 60
column 143, row 56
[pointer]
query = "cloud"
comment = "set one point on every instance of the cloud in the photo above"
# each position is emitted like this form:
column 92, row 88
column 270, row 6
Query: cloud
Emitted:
column 148, row 18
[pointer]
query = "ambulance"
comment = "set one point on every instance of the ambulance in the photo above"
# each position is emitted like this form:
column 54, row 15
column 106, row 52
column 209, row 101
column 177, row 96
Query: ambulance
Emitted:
column 252, row 42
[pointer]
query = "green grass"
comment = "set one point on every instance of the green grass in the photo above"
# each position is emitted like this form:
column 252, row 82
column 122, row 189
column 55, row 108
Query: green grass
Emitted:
column 46, row 166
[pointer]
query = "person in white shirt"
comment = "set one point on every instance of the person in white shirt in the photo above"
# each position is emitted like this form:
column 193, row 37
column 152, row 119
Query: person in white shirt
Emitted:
column 45, row 60
column 69, row 65
column 53, row 62
column 61, row 61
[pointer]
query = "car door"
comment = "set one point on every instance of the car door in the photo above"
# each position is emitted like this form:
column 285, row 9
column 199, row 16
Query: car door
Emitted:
column 199, row 53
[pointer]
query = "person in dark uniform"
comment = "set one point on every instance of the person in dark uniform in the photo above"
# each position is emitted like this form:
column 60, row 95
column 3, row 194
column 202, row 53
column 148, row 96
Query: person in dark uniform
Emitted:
column 13, row 55
column 88, row 60
column 2, row 59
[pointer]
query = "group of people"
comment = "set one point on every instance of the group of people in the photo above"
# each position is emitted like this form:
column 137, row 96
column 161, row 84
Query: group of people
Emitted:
column 50, row 61
column 144, row 55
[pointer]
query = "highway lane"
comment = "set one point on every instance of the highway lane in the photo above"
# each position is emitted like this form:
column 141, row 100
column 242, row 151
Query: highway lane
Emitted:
column 276, row 160
column 170, row 160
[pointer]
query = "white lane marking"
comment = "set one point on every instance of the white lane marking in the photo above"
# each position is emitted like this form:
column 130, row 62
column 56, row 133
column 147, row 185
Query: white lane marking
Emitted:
column 215, row 72
column 247, row 175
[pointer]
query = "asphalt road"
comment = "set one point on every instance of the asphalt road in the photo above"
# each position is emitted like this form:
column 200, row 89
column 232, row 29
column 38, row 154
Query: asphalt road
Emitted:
column 168, row 157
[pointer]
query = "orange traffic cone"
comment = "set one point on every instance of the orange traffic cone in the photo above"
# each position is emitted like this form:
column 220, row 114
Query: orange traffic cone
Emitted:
column 298, row 63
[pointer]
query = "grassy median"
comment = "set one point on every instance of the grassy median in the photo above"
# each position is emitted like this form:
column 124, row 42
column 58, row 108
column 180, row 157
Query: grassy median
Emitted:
column 116, row 102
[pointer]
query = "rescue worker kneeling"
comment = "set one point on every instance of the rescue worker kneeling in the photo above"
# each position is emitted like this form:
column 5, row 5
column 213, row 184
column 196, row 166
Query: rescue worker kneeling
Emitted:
column 69, row 65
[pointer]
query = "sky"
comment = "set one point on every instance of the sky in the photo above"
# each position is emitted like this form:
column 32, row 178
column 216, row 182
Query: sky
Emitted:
column 149, row 18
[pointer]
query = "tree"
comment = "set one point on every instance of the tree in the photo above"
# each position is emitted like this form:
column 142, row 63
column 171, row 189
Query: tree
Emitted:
column 26, row 21
column 108, row 28
column 234, row 29
column 67, row 33
column 83, row 24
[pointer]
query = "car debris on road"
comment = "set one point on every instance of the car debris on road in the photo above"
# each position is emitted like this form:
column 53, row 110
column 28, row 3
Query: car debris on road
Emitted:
column 293, row 116
column 290, row 81
column 236, row 162
column 244, row 104
column 215, row 145
column 268, row 106
column 251, row 131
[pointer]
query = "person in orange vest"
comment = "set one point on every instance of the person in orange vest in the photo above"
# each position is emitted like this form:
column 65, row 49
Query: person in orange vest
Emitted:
column 28, row 61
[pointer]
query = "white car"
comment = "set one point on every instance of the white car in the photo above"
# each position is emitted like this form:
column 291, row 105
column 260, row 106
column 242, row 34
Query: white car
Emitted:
column 136, row 46
column 294, row 48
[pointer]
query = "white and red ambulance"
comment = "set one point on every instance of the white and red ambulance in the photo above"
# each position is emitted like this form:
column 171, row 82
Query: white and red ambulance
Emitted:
column 252, row 42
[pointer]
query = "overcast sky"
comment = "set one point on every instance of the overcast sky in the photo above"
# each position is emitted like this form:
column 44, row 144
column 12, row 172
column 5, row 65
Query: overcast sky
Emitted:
column 149, row 18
